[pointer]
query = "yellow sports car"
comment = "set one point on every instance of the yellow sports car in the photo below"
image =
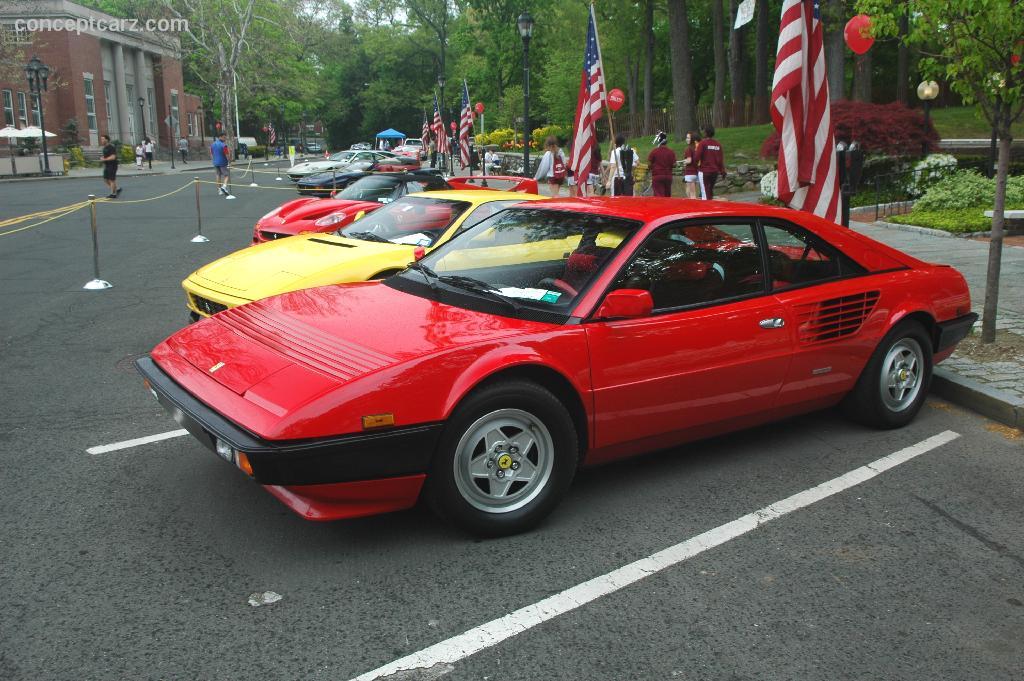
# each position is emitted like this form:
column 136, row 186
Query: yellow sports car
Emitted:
column 373, row 247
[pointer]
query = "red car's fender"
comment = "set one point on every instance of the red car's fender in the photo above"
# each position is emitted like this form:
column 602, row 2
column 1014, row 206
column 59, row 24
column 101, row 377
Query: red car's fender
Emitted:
column 526, row 185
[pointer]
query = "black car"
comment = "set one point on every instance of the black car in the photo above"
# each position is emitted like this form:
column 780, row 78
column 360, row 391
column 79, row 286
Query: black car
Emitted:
column 326, row 183
column 386, row 187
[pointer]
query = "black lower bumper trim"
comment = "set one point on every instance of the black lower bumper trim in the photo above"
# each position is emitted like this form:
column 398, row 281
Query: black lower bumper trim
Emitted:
column 346, row 458
column 954, row 331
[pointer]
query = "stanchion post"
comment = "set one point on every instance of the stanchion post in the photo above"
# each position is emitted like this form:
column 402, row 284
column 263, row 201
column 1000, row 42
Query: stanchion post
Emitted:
column 252, row 173
column 96, row 284
column 198, row 238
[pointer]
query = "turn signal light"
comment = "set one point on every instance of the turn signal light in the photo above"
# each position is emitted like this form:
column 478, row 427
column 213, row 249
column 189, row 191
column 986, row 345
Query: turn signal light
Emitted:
column 243, row 462
column 378, row 421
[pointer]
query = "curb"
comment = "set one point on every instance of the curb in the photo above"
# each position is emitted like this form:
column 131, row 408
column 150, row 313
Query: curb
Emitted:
column 995, row 404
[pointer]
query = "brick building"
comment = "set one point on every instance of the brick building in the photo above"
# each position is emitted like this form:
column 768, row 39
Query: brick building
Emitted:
column 109, row 75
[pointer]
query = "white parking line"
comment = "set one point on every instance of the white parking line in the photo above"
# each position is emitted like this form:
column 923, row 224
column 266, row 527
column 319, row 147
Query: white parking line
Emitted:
column 494, row 632
column 127, row 444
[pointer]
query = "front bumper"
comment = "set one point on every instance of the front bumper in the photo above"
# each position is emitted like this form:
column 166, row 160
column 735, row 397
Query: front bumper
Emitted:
column 204, row 302
column 393, row 453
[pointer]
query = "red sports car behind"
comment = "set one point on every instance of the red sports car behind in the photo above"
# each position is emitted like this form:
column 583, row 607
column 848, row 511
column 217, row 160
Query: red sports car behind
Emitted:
column 554, row 335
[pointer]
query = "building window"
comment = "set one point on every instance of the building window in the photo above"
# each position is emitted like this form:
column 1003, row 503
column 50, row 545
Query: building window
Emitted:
column 8, row 107
column 14, row 35
column 110, row 107
column 174, row 113
column 90, row 105
column 22, row 110
column 36, row 118
column 191, row 124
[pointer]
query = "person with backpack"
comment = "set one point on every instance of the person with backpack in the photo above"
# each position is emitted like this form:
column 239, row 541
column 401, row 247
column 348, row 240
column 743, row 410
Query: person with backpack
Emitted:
column 553, row 167
column 620, row 168
column 662, row 161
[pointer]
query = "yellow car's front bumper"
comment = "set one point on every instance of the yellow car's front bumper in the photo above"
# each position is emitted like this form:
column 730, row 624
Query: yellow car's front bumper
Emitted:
column 203, row 301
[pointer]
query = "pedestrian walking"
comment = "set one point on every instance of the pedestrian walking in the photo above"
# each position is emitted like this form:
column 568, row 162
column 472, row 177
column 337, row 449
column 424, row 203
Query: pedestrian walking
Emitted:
column 690, row 164
column 662, row 162
column 183, row 150
column 221, row 156
column 140, row 155
column 149, row 147
column 620, row 168
column 109, row 159
column 553, row 168
column 433, row 154
column 710, row 162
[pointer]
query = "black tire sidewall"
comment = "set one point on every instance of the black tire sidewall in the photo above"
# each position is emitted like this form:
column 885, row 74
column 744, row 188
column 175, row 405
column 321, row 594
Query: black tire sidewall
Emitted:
column 441, row 490
column 865, row 403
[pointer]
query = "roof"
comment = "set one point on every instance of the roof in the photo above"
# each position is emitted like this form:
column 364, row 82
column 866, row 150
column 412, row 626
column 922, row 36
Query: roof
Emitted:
column 648, row 208
column 478, row 195
column 391, row 133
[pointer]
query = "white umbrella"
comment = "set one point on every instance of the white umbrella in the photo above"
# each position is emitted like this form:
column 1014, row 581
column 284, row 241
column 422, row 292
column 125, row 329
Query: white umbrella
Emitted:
column 10, row 133
column 31, row 131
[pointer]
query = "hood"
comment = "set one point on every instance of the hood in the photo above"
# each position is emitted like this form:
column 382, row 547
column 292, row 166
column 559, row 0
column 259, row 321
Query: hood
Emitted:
column 299, row 262
column 316, row 166
column 314, row 210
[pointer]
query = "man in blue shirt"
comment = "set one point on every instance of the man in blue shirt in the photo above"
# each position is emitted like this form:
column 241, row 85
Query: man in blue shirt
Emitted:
column 221, row 159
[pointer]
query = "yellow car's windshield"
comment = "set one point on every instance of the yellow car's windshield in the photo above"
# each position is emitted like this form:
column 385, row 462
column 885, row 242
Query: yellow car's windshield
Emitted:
column 410, row 221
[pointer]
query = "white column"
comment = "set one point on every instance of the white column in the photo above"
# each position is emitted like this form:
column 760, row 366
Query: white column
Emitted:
column 121, row 95
column 140, row 89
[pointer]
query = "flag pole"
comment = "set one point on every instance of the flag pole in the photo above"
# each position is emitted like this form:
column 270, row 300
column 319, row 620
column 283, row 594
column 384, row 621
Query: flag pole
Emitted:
column 611, row 119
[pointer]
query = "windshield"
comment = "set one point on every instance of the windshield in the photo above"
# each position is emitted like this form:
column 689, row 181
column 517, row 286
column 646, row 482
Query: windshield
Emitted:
column 371, row 188
column 412, row 221
column 342, row 156
column 536, row 258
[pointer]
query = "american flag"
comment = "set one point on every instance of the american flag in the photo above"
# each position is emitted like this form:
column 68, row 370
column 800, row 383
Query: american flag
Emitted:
column 439, row 133
column 588, row 106
column 808, row 172
column 271, row 133
column 426, row 130
column 465, row 126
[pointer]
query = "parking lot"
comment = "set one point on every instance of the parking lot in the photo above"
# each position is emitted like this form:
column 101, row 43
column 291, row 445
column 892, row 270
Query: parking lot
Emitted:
column 809, row 549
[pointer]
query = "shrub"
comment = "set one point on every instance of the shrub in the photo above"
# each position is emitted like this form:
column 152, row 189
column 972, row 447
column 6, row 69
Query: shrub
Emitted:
column 126, row 153
column 560, row 131
column 968, row 189
column 891, row 129
column 499, row 137
column 958, row 221
column 75, row 157
column 770, row 185
column 928, row 171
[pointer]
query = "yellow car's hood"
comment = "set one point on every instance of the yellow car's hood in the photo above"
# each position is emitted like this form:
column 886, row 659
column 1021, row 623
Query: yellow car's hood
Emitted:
column 300, row 262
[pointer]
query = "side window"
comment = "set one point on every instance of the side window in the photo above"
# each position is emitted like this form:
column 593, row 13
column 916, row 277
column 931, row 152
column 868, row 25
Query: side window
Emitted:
column 696, row 264
column 797, row 257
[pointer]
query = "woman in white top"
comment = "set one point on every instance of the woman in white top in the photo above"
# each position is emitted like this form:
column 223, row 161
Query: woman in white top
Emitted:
column 620, row 168
column 553, row 167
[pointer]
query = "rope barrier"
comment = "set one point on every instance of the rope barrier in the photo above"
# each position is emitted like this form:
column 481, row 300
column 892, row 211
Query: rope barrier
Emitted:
column 40, row 214
column 74, row 209
column 152, row 198
column 287, row 189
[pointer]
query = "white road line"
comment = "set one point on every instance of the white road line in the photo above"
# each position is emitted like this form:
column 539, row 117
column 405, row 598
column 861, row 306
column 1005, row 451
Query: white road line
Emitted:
column 494, row 632
column 127, row 444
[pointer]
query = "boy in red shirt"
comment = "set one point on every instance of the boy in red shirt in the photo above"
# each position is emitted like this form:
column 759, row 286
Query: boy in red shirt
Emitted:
column 661, row 161
column 710, row 162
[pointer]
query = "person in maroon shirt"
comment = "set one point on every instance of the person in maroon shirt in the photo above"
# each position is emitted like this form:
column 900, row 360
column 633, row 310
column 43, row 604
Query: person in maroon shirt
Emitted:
column 661, row 160
column 710, row 162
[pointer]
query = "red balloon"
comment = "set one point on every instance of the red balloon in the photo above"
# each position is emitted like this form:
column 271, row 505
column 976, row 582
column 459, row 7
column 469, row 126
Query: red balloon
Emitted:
column 616, row 99
column 858, row 34
column 479, row 107
column 453, row 125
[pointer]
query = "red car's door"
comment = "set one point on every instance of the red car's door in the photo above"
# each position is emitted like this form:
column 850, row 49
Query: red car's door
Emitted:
column 715, row 349
column 830, row 305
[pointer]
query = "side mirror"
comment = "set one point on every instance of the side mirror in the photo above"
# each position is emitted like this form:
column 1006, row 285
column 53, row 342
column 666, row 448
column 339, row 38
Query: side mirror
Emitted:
column 626, row 303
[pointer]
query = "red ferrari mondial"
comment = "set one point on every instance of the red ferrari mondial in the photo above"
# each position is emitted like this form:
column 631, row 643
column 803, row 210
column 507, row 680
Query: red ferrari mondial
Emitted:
column 551, row 336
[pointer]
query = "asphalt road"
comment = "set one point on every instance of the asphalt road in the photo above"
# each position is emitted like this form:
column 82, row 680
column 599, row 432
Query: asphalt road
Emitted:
column 138, row 563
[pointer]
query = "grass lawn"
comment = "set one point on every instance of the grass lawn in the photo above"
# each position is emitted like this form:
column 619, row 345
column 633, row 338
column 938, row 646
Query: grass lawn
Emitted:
column 956, row 220
column 741, row 145
column 966, row 122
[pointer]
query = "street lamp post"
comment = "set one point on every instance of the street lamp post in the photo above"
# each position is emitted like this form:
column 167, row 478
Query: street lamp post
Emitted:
column 525, row 24
column 926, row 92
column 142, row 116
column 440, row 110
column 37, row 73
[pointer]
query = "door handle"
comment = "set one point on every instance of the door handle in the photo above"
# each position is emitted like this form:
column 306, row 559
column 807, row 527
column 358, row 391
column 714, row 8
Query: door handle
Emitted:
column 772, row 323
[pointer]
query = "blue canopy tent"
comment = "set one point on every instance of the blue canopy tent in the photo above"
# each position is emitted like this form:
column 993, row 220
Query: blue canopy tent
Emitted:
column 389, row 134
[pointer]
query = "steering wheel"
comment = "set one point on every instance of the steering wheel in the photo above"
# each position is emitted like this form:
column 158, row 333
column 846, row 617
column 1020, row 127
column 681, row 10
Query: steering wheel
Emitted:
column 558, row 284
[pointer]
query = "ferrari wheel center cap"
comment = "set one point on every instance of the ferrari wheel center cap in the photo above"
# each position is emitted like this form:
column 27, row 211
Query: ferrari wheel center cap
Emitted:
column 504, row 462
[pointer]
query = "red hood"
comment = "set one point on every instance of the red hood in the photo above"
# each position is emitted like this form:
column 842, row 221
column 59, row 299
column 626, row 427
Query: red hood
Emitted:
column 299, row 215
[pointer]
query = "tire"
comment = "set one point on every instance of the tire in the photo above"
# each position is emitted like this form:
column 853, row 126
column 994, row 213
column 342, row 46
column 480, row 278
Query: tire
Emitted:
column 481, row 481
column 895, row 381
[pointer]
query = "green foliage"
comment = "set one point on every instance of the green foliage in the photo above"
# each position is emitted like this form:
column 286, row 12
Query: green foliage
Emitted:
column 500, row 137
column 968, row 189
column 957, row 221
column 76, row 157
column 126, row 154
column 562, row 132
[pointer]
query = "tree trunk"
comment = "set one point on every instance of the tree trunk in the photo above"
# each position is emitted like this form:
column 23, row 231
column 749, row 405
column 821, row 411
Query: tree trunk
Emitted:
column 995, row 244
column 737, row 74
column 761, row 77
column 648, row 64
column 862, row 78
column 835, row 51
column 631, row 82
column 718, row 113
column 903, row 62
column 682, row 68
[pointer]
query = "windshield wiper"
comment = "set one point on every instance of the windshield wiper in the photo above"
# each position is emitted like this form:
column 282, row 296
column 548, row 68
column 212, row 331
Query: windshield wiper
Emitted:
column 369, row 236
column 478, row 286
column 428, row 274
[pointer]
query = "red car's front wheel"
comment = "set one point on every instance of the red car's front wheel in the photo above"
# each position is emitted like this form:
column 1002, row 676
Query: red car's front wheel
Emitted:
column 506, row 458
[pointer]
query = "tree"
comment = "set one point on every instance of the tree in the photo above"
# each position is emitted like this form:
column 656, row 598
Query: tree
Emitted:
column 682, row 67
column 833, row 13
column 718, row 115
column 976, row 47
column 761, row 77
column 737, row 68
column 648, row 63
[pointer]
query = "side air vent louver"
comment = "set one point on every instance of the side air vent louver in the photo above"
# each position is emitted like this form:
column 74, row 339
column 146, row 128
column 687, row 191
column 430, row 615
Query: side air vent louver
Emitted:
column 332, row 243
column 836, row 318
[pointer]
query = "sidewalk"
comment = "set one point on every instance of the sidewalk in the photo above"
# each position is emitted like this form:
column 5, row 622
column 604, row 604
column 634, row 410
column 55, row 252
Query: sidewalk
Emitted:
column 159, row 168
